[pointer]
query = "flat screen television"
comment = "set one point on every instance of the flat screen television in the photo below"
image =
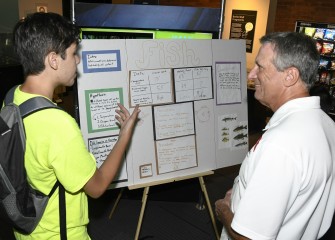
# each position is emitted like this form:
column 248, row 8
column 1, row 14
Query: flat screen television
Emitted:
column 109, row 33
column 147, row 21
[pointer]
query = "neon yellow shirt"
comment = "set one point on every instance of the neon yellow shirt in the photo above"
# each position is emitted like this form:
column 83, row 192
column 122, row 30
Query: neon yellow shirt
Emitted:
column 55, row 147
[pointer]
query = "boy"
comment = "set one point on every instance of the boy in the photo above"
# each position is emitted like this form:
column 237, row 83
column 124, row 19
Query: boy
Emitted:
column 46, row 45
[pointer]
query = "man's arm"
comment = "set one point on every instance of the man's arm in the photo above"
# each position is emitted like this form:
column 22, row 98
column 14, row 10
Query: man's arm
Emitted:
column 103, row 176
column 225, row 215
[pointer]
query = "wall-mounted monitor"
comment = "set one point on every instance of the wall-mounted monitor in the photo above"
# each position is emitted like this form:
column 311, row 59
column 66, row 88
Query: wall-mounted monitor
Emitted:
column 112, row 33
column 165, row 21
column 182, row 35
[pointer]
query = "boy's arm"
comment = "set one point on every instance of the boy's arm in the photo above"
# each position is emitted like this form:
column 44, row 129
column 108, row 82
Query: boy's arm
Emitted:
column 103, row 176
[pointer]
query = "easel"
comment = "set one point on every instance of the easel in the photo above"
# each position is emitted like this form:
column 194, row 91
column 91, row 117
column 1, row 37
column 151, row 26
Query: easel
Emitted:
column 146, row 188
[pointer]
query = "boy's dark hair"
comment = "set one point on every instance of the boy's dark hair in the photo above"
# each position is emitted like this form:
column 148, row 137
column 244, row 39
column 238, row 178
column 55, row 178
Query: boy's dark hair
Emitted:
column 39, row 34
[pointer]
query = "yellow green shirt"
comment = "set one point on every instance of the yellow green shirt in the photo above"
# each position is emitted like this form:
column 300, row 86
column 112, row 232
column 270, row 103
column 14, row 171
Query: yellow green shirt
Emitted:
column 55, row 149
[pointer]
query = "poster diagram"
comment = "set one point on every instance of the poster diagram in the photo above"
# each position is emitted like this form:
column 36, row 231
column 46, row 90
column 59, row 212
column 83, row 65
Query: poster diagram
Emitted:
column 149, row 87
column 100, row 107
column 193, row 84
column 233, row 135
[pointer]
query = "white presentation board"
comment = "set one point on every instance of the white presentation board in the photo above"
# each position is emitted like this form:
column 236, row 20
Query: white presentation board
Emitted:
column 193, row 100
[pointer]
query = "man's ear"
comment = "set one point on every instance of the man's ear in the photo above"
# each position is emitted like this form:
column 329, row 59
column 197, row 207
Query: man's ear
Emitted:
column 292, row 76
column 52, row 60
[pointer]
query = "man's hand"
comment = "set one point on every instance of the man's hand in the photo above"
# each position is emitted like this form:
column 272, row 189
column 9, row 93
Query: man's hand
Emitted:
column 225, row 215
column 222, row 206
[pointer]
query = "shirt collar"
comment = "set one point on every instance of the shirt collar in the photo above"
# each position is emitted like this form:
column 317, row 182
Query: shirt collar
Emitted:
column 291, row 106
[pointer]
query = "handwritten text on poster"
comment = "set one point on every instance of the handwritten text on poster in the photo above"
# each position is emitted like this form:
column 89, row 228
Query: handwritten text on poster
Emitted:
column 193, row 83
column 228, row 80
column 101, row 61
column 100, row 107
column 174, row 120
column 176, row 154
column 101, row 147
column 149, row 87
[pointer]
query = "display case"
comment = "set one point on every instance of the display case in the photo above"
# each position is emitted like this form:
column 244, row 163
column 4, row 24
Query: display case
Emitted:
column 324, row 34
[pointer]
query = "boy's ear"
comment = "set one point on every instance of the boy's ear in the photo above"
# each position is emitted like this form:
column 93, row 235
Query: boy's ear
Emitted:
column 292, row 76
column 52, row 60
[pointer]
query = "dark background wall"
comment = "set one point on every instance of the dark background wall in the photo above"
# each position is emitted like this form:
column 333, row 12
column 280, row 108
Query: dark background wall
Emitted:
column 288, row 11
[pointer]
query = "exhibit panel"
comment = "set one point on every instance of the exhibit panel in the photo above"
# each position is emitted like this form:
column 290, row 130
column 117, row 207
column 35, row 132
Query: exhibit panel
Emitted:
column 102, row 82
column 192, row 95
column 231, row 109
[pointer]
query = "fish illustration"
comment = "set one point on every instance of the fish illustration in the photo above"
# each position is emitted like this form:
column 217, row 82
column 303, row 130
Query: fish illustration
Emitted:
column 241, row 144
column 225, row 139
column 225, row 134
column 240, row 136
column 229, row 119
column 239, row 128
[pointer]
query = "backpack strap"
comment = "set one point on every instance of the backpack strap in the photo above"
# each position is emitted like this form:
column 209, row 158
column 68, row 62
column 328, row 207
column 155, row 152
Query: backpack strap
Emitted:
column 62, row 208
column 35, row 104
column 62, row 212
column 10, row 95
column 57, row 183
column 31, row 105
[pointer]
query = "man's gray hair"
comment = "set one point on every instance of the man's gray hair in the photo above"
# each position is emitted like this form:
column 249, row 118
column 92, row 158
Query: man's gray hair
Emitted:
column 295, row 50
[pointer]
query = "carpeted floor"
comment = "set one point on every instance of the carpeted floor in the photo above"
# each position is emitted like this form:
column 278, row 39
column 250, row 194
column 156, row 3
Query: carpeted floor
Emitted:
column 172, row 211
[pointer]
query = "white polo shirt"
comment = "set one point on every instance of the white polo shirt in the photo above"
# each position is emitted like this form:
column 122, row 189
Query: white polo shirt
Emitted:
column 285, row 189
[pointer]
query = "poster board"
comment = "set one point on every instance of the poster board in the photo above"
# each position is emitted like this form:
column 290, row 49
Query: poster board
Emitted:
column 193, row 100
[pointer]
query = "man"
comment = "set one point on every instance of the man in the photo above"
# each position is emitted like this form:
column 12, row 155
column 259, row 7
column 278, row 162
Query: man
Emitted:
column 47, row 45
column 285, row 189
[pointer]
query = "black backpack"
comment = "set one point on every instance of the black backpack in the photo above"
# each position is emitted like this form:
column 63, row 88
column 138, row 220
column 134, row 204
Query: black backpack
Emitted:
column 21, row 205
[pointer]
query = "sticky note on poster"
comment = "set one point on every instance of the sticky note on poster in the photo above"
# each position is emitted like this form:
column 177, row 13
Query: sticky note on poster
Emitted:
column 100, row 108
column 146, row 170
column 101, row 61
